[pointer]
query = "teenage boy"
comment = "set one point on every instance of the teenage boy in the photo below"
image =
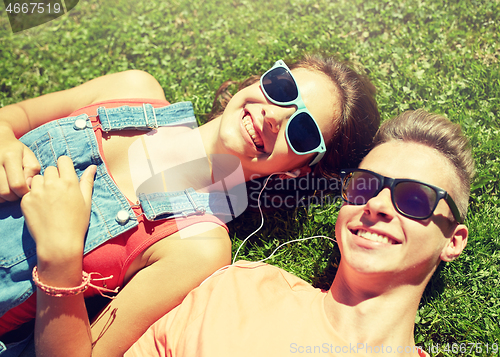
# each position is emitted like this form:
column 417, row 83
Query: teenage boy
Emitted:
column 392, row 235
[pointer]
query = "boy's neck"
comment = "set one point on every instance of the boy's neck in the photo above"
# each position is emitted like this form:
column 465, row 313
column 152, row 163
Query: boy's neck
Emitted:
column 385, row 317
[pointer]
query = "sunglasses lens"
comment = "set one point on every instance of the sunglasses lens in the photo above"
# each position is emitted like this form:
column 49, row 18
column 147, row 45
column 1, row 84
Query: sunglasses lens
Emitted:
column 303, row 133
column 414, row 199
column 359, row 187
column 280, row 86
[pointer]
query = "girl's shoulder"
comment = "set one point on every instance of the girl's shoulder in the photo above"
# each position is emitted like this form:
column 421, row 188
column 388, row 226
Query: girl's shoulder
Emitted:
column 124, row 85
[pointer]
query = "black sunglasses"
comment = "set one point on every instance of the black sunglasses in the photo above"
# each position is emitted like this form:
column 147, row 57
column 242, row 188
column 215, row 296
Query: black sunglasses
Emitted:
column 302, row 131
column 411, row 198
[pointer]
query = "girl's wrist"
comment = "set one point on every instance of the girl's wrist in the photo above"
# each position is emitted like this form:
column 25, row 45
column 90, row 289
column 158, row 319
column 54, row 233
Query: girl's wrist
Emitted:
column 60, row 273
column 50, row 253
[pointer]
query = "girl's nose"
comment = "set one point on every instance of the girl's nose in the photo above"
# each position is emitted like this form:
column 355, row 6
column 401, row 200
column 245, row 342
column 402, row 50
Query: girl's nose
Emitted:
column 276, row 116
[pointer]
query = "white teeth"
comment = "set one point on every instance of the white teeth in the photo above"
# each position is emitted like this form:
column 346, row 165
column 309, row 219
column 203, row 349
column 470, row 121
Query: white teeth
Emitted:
column 373, row 236
column 257, row 140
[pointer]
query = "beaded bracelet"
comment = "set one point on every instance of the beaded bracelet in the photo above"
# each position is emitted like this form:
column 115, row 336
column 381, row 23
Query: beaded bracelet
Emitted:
column 61, row 292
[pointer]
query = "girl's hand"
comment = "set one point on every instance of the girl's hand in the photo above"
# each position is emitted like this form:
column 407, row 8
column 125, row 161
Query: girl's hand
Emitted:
column 57, row 211
column 18, row 165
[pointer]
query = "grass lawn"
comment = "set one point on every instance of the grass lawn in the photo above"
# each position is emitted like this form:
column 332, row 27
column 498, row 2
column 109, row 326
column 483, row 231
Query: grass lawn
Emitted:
column 439, row 55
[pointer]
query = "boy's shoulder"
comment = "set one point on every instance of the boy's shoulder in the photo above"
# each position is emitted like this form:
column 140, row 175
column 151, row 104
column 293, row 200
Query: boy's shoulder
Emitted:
column 246, row 274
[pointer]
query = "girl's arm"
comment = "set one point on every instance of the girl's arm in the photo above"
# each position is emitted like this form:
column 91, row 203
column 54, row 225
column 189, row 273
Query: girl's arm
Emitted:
column 30, row 114
column 57, row 213
column 17, row 163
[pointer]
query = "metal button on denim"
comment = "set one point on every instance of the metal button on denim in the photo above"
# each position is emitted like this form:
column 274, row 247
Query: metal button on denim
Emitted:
column 80, row 124
column 122, row 217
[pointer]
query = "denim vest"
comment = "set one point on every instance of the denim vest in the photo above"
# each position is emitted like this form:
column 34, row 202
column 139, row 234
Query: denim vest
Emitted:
column 111, row 212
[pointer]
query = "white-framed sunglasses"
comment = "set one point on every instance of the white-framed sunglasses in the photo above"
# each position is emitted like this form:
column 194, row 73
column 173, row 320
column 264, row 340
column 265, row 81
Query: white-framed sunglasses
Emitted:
column 302, row 131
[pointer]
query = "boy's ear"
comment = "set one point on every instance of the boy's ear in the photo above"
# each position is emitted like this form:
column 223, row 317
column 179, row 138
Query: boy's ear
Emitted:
column 457, row 243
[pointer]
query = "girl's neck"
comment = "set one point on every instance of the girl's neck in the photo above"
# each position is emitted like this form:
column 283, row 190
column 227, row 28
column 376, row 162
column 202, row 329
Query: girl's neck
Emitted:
column 223, row 165
column 209, row 134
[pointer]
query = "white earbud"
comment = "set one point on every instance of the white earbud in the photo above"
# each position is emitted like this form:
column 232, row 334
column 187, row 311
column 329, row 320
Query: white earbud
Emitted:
column 293, row 174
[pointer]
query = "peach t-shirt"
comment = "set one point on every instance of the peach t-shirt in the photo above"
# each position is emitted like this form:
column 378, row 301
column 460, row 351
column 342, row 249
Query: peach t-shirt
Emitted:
column 249, row 309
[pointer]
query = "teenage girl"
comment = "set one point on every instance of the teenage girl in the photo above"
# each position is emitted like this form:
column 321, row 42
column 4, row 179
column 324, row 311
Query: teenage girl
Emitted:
column 318, row 115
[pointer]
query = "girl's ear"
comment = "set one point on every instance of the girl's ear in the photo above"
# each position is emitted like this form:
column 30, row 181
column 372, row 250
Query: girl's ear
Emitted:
column 456, row 245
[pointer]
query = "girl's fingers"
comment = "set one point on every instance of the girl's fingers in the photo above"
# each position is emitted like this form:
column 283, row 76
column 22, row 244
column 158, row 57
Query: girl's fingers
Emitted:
column 37, row 182
column 66, row 168
column 51, row 173
column 30, row 164
column 4, row 186
column 13, row 183
column 87, row 184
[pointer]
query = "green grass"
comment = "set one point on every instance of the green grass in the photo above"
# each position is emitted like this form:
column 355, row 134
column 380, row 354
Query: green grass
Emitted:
column 440, row 55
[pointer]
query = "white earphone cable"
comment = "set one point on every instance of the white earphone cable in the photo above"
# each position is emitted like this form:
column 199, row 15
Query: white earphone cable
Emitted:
column 261, row 216
column 262, row 224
